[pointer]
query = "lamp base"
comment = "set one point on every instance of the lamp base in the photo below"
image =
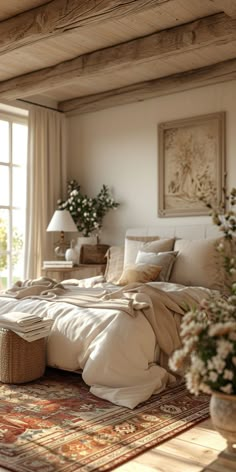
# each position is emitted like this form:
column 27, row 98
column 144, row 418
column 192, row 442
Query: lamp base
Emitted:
column 61, row 248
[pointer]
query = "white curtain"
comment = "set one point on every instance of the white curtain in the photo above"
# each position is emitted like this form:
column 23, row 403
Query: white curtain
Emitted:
column 46, row 182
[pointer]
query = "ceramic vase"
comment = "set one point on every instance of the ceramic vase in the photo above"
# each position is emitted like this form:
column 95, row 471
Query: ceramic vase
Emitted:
column 72, row 254
column 223, row 415
column 86, row 240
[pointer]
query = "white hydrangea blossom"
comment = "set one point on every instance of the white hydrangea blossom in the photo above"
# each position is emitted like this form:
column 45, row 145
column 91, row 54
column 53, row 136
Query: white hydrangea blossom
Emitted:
column 227, row 389
column 224, row 347
column 213, row 376
column 228, row 374
column 208, row 332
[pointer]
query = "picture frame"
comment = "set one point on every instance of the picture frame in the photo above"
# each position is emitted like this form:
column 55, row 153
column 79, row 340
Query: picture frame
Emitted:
column 191, row 165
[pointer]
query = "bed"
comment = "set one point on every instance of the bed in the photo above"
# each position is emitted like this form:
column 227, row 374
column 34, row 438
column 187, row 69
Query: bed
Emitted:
column 119, row 330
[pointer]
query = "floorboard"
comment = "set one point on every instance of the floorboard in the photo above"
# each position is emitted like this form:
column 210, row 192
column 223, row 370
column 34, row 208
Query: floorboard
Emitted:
column 194, row 450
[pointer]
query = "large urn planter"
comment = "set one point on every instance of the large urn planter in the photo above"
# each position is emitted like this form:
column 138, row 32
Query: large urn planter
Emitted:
column 86, row 240
column 223, row 415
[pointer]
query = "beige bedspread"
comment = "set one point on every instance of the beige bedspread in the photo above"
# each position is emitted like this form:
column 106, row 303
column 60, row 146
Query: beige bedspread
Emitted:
column 121, row 339
column 162, row 304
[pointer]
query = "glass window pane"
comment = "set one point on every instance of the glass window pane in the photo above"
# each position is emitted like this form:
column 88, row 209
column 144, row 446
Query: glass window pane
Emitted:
column 4, row 140
column 19, row 143
column 13, row 161
column 18, row 187
column 4, row 185
column 4, row 231
column 4, row 274
column 4, row 267
column 17, row 266
column 18, row 228
column 17, row 245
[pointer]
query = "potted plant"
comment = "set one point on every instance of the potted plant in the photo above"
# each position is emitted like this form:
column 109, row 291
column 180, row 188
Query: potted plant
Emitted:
column 208, row 332
column 87, row 212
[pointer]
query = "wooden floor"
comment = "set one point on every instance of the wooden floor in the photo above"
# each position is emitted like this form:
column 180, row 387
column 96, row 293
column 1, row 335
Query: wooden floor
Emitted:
column 196, row 450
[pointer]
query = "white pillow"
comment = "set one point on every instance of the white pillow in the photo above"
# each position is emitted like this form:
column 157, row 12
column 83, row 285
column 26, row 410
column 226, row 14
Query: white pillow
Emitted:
column 147, row 257
column 164, row 259
column 132, row 246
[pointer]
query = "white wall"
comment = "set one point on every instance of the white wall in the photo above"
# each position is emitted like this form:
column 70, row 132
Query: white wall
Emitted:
column 118, row 147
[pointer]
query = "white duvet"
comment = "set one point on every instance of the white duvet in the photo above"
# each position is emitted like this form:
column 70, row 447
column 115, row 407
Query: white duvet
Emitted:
column 118, row 352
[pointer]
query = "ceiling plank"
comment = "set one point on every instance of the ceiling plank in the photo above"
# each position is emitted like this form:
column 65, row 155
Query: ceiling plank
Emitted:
column 228, row 6
column 60, row 16
column 213, row 29
column 217, row 73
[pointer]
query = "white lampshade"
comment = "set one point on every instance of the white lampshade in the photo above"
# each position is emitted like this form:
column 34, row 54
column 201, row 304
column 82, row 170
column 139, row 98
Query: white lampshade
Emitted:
column 62, row 221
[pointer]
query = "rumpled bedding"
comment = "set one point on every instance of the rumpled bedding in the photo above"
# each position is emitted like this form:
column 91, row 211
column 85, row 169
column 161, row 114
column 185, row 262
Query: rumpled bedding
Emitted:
column 120, row 338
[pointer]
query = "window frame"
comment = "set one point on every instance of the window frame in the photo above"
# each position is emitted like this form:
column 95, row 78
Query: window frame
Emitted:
column 11, row 118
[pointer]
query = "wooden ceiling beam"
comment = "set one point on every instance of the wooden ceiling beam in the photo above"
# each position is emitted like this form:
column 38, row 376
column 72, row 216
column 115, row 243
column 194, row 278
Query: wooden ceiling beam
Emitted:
column 228, row 6
column 60, row 16
column 217, row 73
column 212, row 30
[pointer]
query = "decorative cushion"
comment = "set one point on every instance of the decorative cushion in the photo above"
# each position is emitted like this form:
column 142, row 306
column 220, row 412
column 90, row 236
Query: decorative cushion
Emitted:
column 198, row 263
column 164, row 259
column 115, row 263
column 148, row 244
column 141, row 273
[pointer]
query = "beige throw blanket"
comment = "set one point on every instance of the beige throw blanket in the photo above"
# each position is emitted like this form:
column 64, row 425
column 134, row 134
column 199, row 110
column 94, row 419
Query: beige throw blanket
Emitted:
column 33, row 287
column 47, row 289
column 163, row 307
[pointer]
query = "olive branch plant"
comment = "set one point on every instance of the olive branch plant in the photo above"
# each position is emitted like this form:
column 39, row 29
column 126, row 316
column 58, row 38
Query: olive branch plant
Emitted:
column 87, row 212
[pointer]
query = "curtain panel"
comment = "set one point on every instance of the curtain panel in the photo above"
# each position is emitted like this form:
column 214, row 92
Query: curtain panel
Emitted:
column 46, row 181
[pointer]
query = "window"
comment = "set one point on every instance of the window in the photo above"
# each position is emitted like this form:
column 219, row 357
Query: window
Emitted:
column 13, row 160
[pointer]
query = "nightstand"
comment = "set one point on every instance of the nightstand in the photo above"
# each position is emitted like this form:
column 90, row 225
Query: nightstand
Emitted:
column 81, row 271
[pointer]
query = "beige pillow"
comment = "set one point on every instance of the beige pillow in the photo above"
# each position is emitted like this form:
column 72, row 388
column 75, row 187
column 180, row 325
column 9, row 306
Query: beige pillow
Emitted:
column 198, row 263
column 163, row 245
column 164, row 259
column 133, row 244
column 148, row 244
column 141, row 273
column 115, row 263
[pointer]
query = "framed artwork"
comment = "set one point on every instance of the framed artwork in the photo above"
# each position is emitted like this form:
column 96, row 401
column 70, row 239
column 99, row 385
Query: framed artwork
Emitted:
column 191, row 165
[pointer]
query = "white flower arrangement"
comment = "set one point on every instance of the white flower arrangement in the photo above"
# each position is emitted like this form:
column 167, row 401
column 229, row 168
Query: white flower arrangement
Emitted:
column 208, row 333
column 87, row 213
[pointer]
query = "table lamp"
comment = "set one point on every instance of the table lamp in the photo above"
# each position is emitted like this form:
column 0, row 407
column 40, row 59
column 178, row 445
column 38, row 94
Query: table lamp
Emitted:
column 63, row 222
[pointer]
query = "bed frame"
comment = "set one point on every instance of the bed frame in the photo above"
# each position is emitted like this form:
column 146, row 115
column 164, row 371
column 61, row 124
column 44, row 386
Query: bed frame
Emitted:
column 194, row 231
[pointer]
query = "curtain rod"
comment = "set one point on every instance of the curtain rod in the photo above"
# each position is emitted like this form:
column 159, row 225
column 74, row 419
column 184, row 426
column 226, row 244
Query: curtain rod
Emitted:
column 39, row 105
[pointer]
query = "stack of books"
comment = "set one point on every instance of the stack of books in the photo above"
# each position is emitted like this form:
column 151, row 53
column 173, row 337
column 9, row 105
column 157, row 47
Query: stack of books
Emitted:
column 57, row 264
column 27, row 326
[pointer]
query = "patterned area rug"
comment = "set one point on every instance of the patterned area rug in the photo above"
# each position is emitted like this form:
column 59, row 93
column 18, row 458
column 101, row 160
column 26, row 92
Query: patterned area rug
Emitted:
column 55, row 424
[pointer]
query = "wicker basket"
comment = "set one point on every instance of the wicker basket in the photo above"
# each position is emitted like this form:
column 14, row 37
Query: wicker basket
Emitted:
column 20, row 361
